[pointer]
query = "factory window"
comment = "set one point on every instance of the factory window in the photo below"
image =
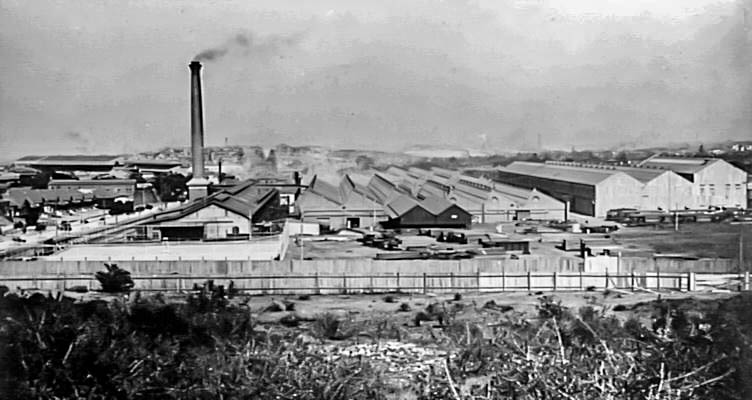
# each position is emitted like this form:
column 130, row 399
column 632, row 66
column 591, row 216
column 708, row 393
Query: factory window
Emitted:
column 454, row 216
column 235, row 230
column 536, row 198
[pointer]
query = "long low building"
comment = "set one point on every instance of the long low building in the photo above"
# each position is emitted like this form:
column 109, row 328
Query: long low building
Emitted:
column 71, row 162
column 227, row 214
column 381, row 201
column 657, row 184
column 486, row 200
column 714, row 182
column 118, row 187
column 588, row 191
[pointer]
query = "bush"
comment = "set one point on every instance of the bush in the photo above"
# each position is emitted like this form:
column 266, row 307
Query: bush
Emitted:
column 333, row 327
column 115, row 279
column 390, row 299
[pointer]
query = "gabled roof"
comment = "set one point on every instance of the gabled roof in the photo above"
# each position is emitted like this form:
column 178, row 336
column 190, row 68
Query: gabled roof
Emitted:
column 382, row 189
column 101, row 160
column 645, row 175
column 93, row 182
column 396, row 171
column 680, row 165
column 400, row 205
column 566, row 173
column 37, row 197
column 244, row 199
column 325, row 190
column 435, row 205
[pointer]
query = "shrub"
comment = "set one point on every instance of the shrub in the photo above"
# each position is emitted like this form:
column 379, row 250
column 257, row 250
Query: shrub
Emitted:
column 390, row 299
column 115, row 279
column 333, row 327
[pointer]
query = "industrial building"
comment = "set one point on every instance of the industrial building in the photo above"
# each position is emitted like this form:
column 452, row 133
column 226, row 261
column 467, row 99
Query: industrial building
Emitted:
column 658, row 183
column 431, row 212
column 715, row 182
column 590, row 191
column 117, row 187
column 28, row 205
column 382, row 201
column 486, row 200
column 92, row 163
column 662, row 189
column 347, row 205
column 228, row 214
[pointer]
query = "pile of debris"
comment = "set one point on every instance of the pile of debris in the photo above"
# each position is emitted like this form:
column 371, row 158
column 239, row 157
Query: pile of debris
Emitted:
column 402, row 363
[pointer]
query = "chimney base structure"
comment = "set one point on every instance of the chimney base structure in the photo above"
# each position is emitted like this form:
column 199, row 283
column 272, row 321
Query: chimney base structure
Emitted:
column 198, row 186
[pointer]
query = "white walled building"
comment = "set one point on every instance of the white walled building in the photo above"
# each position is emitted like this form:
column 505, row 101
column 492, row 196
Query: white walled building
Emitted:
column 715, row 182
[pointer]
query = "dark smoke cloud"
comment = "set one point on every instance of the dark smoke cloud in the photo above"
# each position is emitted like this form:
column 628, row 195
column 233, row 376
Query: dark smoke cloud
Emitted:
column 250, row 44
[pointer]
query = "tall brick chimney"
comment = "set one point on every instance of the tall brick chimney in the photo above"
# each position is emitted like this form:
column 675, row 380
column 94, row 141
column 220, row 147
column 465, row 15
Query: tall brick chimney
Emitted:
column 198, row 185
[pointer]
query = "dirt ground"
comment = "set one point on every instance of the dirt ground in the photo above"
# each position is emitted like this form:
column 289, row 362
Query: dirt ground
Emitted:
column 366, row 306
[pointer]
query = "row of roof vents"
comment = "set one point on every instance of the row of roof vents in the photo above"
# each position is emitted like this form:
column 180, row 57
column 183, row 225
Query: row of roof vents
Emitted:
column 598, row 166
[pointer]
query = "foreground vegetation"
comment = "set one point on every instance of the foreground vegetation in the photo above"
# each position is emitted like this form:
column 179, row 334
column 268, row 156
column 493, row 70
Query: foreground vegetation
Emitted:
column 206, row 346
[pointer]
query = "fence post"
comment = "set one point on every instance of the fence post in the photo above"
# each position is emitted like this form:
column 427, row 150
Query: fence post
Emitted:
column 398, row 282
column 555, row 281
column 344, row 283
column 631, row 280
column 529, row 282
column 316, row 283
column 503, row 281
column 451, row 280
column 746, row 280
column 691, row 282
column 582, row 286
column 370, row 282
column 425, row 284
column 658, row 279
column 477, row 279
column 606, row 279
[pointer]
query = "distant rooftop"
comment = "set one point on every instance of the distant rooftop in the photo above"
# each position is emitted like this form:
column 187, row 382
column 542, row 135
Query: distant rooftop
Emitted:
column 70, row 160
column 681, row 165
column 565, row 173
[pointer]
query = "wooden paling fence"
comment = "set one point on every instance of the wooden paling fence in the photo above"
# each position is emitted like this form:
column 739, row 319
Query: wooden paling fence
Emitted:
column 407, row 283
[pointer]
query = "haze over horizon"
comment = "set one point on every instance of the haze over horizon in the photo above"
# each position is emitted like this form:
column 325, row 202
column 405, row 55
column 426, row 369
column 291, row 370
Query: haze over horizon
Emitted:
column 112, row 77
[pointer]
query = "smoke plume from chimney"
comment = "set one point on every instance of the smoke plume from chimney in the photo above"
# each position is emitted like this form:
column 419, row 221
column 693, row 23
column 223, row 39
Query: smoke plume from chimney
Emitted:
column 249, row 44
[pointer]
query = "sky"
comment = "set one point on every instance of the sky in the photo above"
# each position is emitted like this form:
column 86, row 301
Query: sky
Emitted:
column 81, row 77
